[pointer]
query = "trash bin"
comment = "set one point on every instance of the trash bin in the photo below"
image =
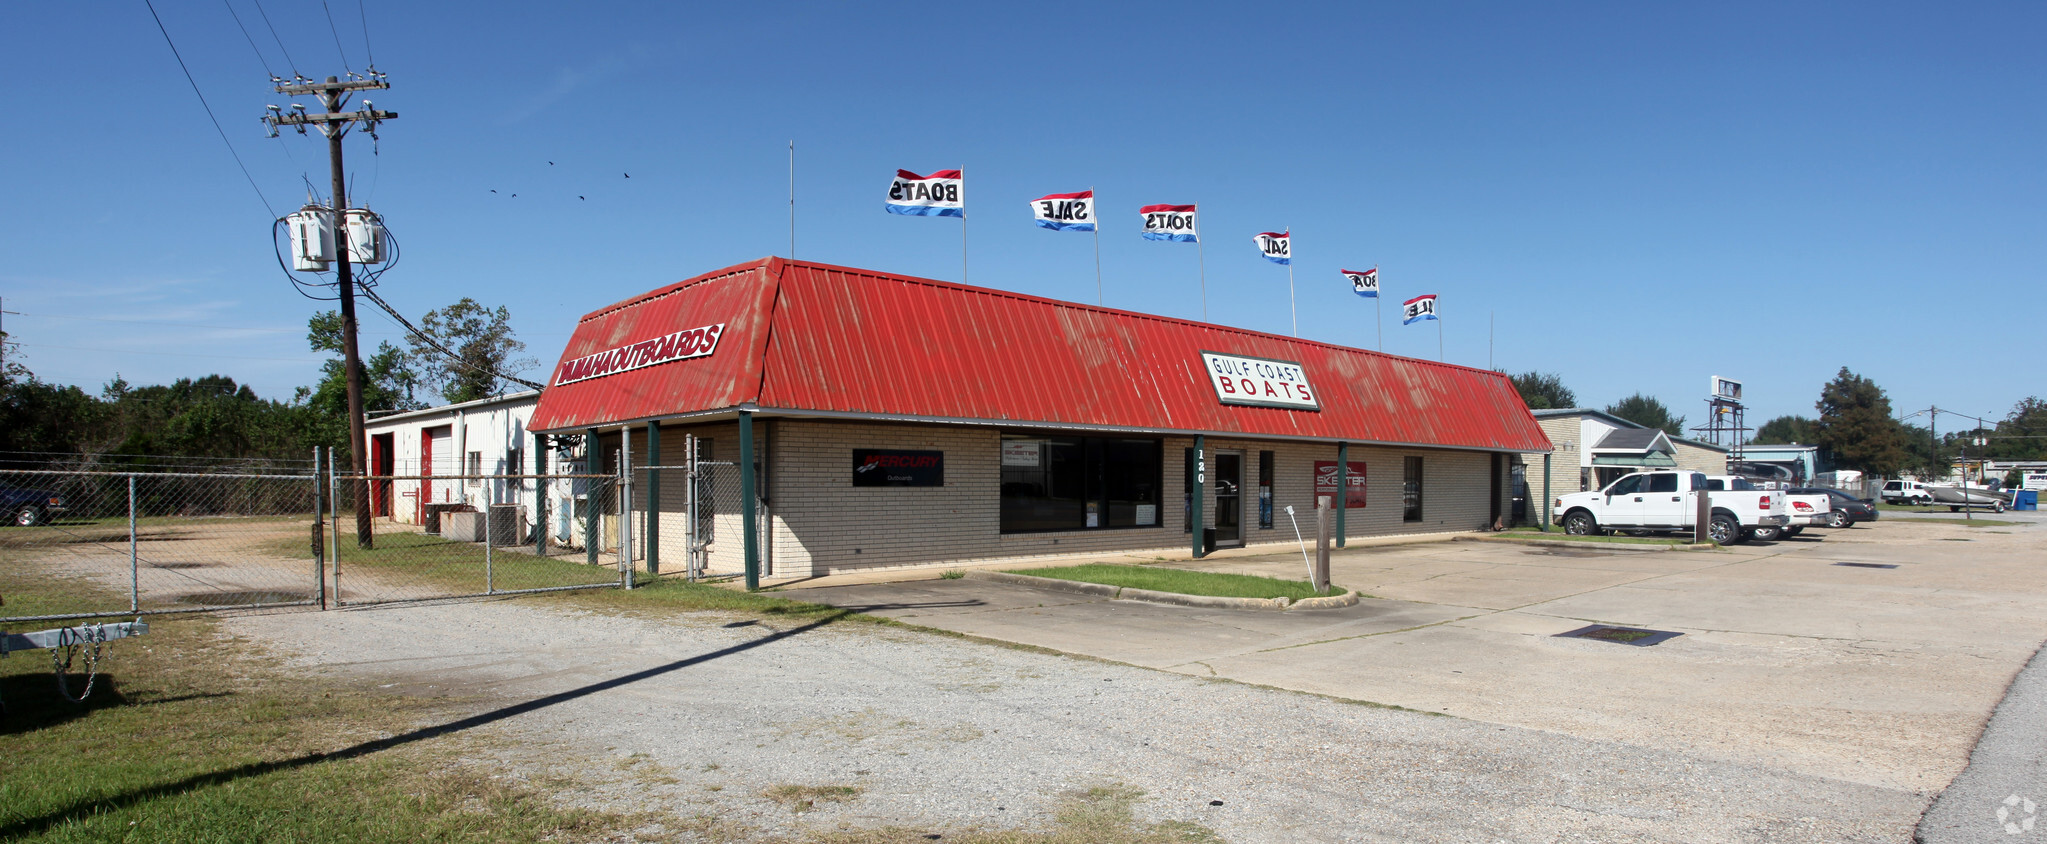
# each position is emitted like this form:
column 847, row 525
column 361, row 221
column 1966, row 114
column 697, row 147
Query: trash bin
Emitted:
column 2025, row 499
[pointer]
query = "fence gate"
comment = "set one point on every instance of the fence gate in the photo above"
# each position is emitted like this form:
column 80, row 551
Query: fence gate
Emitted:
column 89, row 544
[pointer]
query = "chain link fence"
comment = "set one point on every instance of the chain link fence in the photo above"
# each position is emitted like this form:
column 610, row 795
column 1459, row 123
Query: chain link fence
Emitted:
column 80, row 544
column 690, row 519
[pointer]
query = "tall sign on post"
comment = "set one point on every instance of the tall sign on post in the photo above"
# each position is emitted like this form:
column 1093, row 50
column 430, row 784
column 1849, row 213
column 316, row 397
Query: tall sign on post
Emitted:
column 335, row 124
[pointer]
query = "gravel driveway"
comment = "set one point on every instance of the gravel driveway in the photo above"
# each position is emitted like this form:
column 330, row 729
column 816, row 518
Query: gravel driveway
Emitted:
column 696, row 715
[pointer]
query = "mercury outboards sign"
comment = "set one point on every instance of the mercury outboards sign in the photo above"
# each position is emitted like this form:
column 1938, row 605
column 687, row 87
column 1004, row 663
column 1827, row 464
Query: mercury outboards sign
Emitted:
column 890, row 467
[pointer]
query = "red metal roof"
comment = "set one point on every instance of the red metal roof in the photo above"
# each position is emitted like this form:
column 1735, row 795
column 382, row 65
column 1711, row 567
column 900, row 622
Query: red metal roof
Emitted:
column 815, row 338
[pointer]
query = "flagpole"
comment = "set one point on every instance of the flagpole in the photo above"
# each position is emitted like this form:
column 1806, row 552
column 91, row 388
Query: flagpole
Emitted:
column 1092, row 203
column 792, row 199
column 963, row 245
column 1203, row 263
column 1379, row 307
column 1439, row 332
column 1290, row 306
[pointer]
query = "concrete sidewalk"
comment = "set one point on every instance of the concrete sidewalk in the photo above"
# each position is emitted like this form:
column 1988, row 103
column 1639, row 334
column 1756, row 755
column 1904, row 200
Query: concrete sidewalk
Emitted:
column 1870, row 675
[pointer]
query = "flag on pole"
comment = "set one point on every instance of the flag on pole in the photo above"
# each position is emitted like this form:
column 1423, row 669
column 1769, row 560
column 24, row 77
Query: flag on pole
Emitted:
column 1419, row 308
column 1365, row 283
column 1170, row 222
column 1074, row 212
column 941, row 194
column 1277, row 246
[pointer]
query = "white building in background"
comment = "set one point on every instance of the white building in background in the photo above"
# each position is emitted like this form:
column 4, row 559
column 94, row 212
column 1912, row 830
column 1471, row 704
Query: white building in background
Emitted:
column 459, row 442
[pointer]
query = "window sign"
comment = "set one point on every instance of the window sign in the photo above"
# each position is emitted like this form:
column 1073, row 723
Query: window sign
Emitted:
column 1027, row 453
column 891, row 467
column 1325, row 482
column 1261, row 382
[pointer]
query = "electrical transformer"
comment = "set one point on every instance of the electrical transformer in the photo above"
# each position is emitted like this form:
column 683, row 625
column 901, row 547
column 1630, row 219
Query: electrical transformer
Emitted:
column 312, row 238
column 367, row 243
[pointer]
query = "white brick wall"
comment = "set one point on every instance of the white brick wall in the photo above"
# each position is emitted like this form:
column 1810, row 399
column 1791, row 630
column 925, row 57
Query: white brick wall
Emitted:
column 817, row 522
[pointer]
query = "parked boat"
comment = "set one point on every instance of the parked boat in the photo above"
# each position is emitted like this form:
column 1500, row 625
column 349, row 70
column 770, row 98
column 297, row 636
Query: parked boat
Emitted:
column 1968, row 496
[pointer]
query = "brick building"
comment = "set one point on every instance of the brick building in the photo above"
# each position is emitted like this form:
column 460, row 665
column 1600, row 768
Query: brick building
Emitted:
column 894, row 421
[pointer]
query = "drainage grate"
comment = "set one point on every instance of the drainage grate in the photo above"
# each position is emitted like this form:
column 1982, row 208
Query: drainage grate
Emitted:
column 1621, row 635
column 1869, row 565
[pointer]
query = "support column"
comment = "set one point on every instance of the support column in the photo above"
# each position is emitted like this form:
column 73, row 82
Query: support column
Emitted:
column 653, row 539
column 1200, row 486
column 1342, row 490
column 592, row 461
column 749, row 518
column 1544, row 520
column 539, row 495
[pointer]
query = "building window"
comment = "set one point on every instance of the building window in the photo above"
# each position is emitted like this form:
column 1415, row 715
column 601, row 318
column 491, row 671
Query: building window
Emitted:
column 517, row 466
column 1265, row 490
column 475, row 466
column 1078, row 483
column 1411, row 490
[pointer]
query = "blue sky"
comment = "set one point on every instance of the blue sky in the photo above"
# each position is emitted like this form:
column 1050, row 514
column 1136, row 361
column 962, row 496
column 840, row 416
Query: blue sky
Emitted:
column 1637, row 196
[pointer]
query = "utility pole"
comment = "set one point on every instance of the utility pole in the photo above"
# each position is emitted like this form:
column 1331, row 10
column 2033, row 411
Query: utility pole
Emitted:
column 334, row 124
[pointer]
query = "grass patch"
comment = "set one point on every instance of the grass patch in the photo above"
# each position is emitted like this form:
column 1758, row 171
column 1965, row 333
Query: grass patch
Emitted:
column 955, row 574
column 1558, row 534
column 1185, row 582
column 803, row 798
column 1086, row 816
column 458, row 567
column 191, row 736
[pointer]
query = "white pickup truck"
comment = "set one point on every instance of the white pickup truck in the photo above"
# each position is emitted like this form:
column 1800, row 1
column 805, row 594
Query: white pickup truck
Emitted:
column 1667, row 500
column 1803, row 510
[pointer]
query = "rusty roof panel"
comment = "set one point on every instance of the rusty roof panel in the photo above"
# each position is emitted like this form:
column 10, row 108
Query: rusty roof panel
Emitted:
column 837, row 339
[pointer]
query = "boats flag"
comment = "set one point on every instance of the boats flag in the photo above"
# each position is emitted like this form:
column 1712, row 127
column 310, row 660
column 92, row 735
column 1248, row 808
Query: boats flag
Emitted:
column 1419, row 308
column 1365, row 283
column 941, row 194
column 1074, row 212
column 1170, row 222
column 1276, row 246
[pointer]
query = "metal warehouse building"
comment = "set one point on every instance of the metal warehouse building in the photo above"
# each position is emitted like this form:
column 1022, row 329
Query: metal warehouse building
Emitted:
column 894, row 421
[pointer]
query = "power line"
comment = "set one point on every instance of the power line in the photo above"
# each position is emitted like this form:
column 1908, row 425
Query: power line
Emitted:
column 209, row 109
column 280, row 42
column 337, row 37
column 366, row 35
column 252, row 41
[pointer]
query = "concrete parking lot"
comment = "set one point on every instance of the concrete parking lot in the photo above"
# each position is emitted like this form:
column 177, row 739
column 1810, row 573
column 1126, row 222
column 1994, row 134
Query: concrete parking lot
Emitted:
column 1787, row 659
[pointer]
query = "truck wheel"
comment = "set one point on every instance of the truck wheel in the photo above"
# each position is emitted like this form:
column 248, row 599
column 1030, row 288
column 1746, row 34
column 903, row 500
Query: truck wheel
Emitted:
column 1838, row 519
column 1766, row 533
column 1724, row 529
column 1794, row 530
column 1581, row 523
column 28, row 516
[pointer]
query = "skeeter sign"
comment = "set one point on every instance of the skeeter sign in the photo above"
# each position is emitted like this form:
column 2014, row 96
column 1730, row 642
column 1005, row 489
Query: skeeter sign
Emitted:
column 1262, row 382
column 681, row 345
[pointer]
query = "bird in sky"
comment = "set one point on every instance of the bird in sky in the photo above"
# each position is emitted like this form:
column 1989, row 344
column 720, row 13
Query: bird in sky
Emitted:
column 628, row 175
column 493, row 190
column 582, row 198
column 550, row 164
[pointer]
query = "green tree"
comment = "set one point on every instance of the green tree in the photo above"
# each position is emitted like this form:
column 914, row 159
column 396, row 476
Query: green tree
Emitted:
column 484, row 351
column 1543, row 390
column 1855, row 425
column 1647, row 412
column 1785, row 430
column 2022, row 435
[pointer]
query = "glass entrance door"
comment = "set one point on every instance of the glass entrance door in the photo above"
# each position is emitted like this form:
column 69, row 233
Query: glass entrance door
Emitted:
column 1229, row 498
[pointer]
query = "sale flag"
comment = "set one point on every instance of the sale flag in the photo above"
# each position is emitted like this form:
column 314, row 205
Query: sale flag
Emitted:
column 1419, row 308
column 1170, row 222
column 1276, row 246
column 1365, row 283
column 1074, row 212
column 941, row 194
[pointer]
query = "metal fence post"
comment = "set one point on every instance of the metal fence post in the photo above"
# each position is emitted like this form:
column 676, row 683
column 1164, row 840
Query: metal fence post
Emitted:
column 489, row 581
column 653, row 539
column 591, row 461
column 334, row 517
column 748, row 520
column 134, row 561
column 690, row 564
column 540, row 495
column 319, row 541
column 625, row 504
